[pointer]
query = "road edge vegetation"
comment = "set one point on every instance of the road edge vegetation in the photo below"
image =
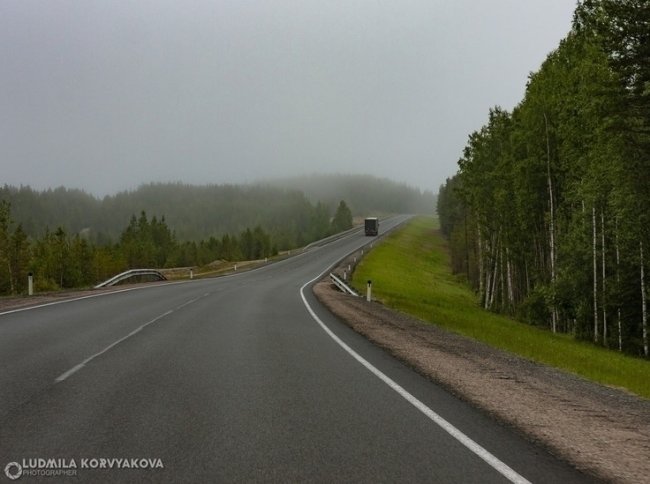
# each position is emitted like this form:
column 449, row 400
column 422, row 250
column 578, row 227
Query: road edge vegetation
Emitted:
column 411, row 273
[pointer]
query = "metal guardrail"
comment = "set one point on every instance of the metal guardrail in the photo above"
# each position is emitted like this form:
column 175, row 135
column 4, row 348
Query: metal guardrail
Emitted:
column 131, row 273
column 343, row 287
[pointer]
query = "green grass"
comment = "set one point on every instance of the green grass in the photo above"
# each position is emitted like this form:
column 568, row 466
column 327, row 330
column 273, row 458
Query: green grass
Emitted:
column 411, row 272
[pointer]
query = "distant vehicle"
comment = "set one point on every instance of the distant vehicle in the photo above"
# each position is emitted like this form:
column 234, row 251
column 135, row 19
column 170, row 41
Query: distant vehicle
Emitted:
column 372, row 226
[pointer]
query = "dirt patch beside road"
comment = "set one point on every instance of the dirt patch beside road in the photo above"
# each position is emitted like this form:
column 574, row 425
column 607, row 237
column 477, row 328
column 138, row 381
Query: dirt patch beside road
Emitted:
column 602, row 431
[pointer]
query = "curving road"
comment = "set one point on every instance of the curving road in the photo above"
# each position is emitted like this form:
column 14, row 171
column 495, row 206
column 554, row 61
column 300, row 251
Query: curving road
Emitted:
column 240, row 378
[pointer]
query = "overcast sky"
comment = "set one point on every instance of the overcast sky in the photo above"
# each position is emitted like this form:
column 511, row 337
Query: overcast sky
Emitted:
column 105, row 95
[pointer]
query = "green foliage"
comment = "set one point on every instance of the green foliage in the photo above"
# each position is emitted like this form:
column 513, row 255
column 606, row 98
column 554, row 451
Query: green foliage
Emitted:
column 410, row 272
column 547, row 215
column 14, row 253
column 60, row 260
column 342, row 218
column 292, row 211
column 147, row 243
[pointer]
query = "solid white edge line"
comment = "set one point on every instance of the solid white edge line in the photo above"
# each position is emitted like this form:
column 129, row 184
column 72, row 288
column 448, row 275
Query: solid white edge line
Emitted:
column 501, row 467
column 90, row 296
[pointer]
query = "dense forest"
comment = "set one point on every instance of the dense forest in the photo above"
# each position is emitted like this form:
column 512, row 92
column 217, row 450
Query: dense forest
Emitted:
column 69, row 238
column 284, row 208
column 59, row 259
column 548, row 214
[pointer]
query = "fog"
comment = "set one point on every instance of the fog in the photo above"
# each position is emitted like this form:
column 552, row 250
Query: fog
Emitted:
column 105, row 95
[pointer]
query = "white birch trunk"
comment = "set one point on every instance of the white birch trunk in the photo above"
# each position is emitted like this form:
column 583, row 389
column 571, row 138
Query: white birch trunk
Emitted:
column 488, row 285
column 511, row 296
column 604, row 297
column 618, row 286
column 501, row 275
column 481, row 287
column 644, row 311
column 551, row 227
column 593, row 223
column 494, row 272
column 488, row 281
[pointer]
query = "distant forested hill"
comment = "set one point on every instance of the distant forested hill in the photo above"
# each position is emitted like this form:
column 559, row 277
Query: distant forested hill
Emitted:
column 365, row 194
column 286, row 209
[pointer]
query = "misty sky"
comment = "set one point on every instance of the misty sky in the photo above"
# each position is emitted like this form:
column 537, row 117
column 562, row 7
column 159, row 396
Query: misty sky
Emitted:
column 105, row 95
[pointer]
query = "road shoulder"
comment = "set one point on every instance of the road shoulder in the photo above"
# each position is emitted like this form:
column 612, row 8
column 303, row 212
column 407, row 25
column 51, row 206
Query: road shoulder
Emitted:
column 602, row 431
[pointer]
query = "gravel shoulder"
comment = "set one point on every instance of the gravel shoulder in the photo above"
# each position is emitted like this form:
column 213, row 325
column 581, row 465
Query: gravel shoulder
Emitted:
column 602, row 431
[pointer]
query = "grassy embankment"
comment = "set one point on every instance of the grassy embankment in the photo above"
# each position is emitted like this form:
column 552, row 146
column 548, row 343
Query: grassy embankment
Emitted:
column 410, row 271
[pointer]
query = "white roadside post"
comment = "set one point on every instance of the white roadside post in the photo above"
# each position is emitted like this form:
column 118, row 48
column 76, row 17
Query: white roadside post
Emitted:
column 191, row 273
column 30, row 284
column 369, row 291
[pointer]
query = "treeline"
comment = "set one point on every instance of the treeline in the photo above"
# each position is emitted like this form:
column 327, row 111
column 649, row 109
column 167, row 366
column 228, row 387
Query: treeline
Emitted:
column 286, row 210
column 548, row 214
column 367, row 194
column 62, row 260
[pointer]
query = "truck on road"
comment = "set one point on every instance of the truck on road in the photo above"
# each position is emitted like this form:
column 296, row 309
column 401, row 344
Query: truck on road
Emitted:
column 372, row 226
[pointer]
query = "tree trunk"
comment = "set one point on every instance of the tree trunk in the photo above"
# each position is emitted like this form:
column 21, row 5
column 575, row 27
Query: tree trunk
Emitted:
column 481, row 286
column 11, row 274
column 551, row 227
column 494, row 268
column 488, row 280
column 511, row 297
column 604, row 294
column 618, row 288
column 466, row 248
column 595, row 267
column 503, row 292
column 644, row 312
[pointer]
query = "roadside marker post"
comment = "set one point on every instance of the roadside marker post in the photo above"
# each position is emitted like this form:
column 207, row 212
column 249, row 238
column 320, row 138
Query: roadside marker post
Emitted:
column 369, row 291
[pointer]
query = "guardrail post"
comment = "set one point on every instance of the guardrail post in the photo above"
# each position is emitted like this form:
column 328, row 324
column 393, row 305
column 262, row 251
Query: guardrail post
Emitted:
column 369, row 291
column 30, row 284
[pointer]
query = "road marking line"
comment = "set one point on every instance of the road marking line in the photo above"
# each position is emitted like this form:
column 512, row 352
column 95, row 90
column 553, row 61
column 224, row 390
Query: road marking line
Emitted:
column 78, row 367
column 107, row 293
column 501, row 467
column 188, row 302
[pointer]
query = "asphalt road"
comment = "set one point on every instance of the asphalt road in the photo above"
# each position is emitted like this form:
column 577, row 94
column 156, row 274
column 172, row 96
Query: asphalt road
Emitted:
column 234, row 379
